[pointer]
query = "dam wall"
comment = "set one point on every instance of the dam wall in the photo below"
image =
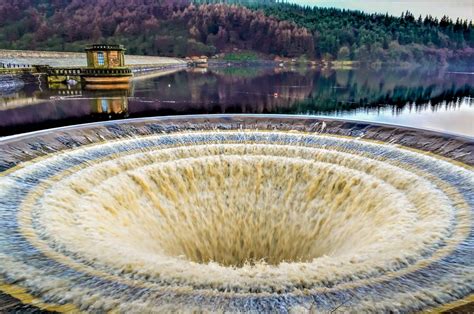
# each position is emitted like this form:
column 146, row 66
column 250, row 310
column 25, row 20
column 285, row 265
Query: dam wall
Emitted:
column 16, row 78
column 19, row 67
column 72, row 59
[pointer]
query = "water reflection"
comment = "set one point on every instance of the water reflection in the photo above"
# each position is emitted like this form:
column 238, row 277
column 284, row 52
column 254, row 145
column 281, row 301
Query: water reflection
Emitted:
column 388, row 95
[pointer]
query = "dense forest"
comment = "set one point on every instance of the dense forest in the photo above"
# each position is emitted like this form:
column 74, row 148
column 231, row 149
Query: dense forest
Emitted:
column 354, row 35
column 182, row 28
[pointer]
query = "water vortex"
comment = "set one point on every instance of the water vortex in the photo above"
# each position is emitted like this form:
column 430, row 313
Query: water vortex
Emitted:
column 236, row 213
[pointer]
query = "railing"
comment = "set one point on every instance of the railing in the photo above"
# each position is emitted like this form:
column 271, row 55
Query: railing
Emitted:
column 141, row 68
column 85, row 71
column 105, row 47
column 64, row 71
column 106, row 71
column 70, row 92
column 14, row 65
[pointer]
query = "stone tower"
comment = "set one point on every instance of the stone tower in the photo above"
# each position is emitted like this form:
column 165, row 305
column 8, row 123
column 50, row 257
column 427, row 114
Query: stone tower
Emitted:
column 105, row 56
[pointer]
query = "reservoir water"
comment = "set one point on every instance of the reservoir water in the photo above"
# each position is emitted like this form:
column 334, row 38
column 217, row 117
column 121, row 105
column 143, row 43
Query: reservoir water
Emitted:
column 436, row 99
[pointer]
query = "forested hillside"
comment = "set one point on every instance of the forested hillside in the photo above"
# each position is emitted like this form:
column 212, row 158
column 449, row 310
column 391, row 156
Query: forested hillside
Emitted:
column 342, row 34
column 182, row 28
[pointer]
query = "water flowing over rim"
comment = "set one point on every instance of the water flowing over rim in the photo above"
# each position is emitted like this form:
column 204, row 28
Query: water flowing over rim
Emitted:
column 460, row 148
column 240, row 115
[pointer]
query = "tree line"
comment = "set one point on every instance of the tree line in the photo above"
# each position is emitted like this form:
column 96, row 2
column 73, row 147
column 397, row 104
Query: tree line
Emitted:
column 354, row 35
column 206, row 27
column 174, row 28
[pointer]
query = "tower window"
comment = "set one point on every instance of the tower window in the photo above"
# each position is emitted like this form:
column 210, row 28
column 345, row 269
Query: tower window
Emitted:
column 100, row 58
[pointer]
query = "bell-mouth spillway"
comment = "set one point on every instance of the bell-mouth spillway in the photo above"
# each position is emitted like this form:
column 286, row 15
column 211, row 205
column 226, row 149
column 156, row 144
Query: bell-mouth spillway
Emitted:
column 240, row 213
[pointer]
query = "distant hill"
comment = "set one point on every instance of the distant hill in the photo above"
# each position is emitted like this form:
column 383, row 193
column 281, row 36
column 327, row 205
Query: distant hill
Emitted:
column 148, row 27
column 240, row 2
column 354, row 35
column 270, row 28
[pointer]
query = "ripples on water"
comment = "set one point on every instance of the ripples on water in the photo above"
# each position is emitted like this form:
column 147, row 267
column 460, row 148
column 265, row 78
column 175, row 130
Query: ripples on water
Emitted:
column 435, row 99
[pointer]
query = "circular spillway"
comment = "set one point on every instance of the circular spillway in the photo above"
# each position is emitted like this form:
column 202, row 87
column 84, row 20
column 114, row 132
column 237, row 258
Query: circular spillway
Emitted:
column 236, row 213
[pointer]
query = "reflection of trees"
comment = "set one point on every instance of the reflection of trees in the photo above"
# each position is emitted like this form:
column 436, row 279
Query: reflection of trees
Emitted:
column 240, row 72
column 348, row 90
column 258, row 90
column 268, row 90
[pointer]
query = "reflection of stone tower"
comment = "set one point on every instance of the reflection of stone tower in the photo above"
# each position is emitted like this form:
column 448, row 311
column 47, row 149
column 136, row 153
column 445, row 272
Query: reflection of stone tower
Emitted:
column 105, row 56
column 115, row 106
column 112, row 103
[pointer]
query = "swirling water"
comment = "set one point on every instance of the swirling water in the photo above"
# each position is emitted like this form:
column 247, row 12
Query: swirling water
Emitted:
column 238, row 220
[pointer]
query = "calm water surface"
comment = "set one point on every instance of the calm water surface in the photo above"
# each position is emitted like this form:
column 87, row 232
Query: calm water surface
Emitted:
column 431, row 99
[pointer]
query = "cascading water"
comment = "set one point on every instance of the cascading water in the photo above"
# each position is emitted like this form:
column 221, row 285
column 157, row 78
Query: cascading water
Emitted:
column 235, row 213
